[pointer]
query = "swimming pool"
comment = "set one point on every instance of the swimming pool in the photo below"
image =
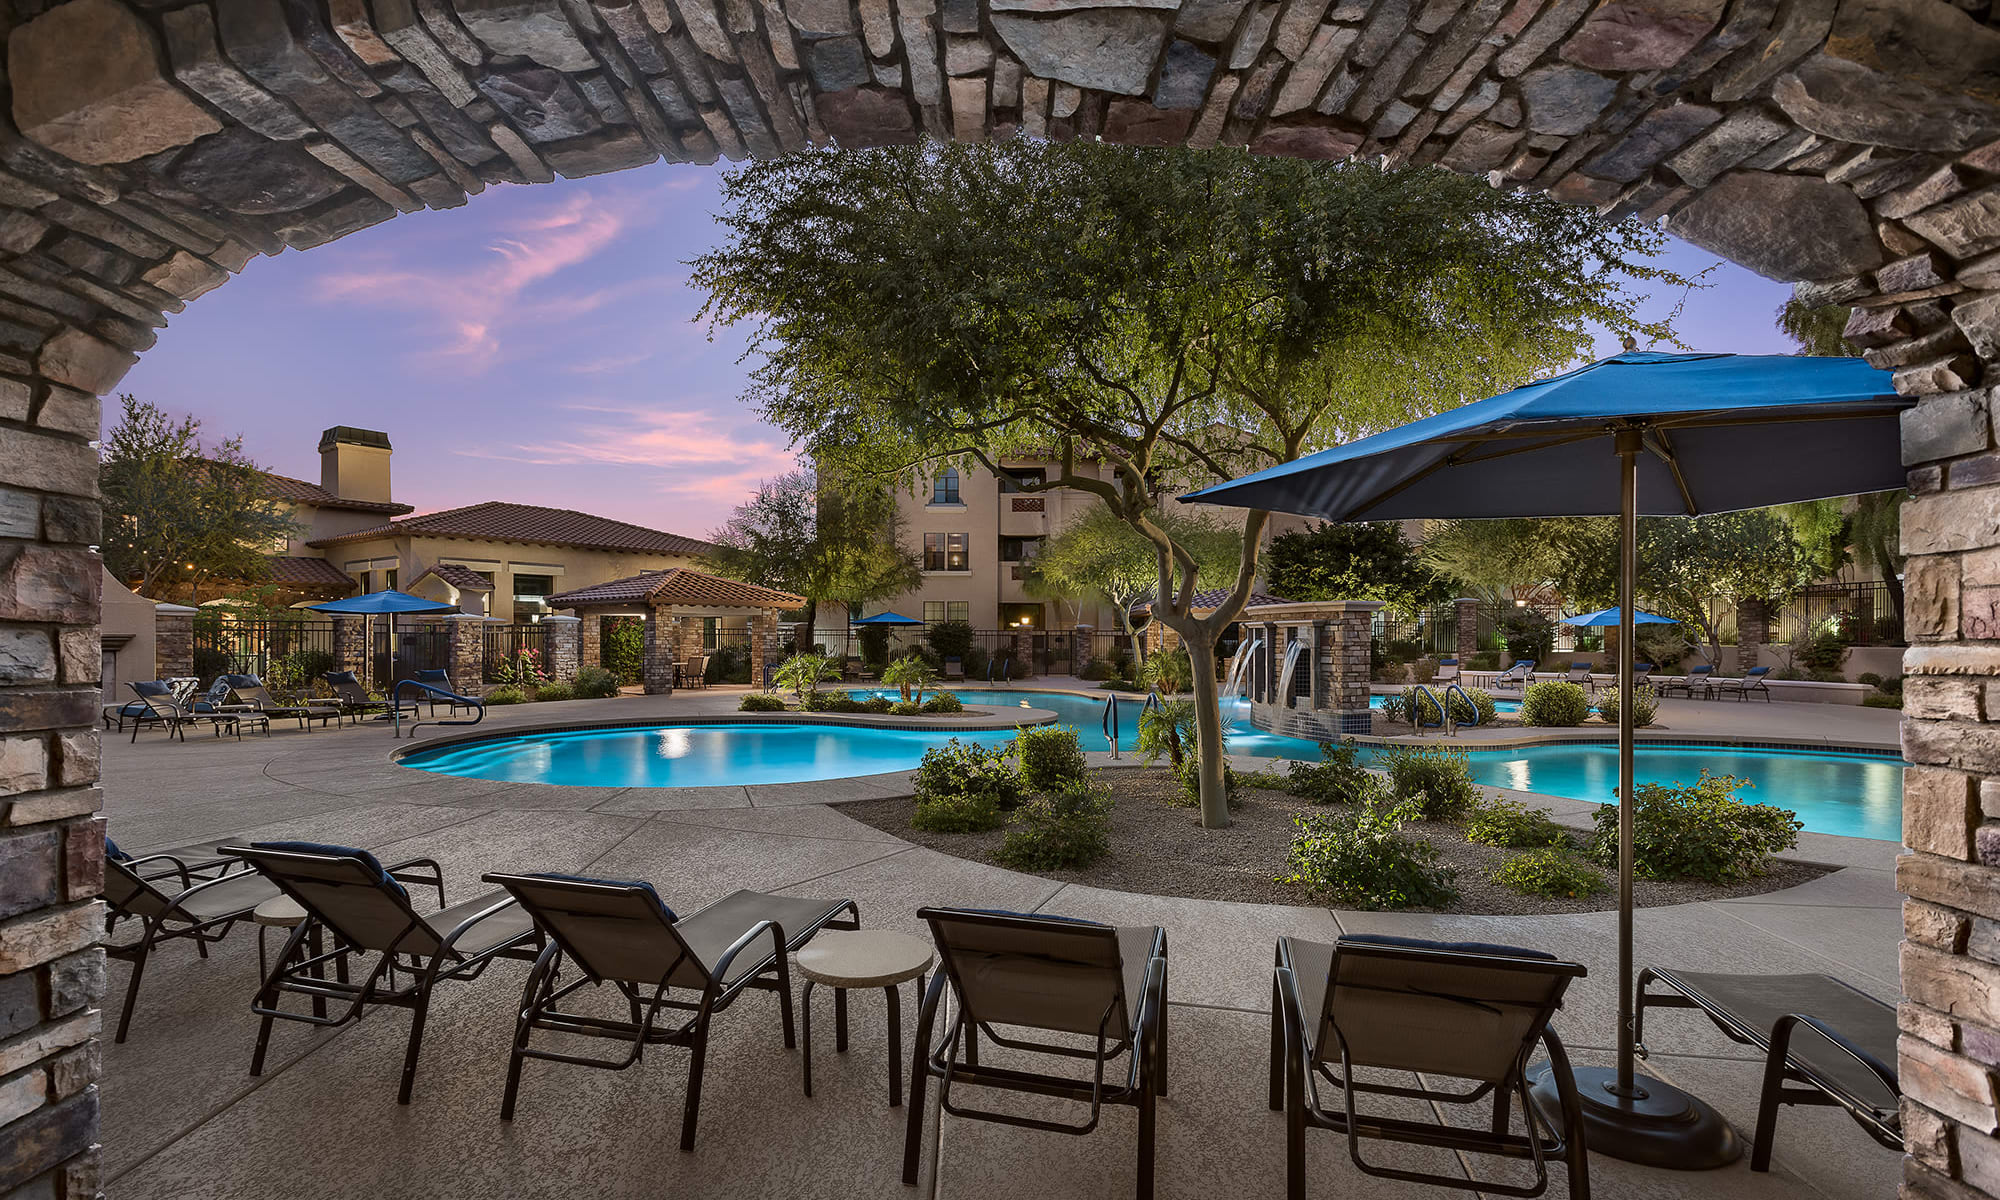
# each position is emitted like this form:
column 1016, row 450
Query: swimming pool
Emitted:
column 1856, row 795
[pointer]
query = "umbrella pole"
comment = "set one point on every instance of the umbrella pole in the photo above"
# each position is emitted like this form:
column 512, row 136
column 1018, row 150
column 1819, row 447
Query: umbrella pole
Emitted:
column 1625, row 1114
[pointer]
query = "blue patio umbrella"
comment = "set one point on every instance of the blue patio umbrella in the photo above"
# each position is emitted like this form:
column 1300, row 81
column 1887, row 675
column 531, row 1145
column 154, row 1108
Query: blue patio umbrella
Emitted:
column 1639, row 432
column 1610, row 616
column 387, row 602
column 888, row 618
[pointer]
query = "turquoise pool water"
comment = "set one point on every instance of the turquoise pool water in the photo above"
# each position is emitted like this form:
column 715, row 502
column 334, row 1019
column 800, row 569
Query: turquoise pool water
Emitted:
column 1852, row 794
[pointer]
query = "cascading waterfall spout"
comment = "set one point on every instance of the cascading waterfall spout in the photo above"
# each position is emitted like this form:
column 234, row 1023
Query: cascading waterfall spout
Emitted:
column 1230, row 702
column 1292, row 653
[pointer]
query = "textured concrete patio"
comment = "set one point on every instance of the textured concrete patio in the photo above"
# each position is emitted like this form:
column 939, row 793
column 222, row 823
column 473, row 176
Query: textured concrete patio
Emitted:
column 182, row 1117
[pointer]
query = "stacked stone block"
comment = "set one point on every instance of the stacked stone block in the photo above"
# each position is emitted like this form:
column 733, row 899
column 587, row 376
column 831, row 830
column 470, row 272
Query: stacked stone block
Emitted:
column 1467, row 615
column 1753, row 631
column 763, row 645
column 173, row 641
column 590, row 645
column 656, row 667
column 565, row 647
column 350, row 647
column 468, row 653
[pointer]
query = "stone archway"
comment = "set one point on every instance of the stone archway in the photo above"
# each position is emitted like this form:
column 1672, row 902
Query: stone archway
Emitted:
column 151, row 148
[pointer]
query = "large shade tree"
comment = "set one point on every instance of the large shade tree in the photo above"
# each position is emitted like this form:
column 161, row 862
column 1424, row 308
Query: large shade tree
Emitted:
column 1366, row 560
column 1102, row 557
column 829, row 541
column 1179, row 316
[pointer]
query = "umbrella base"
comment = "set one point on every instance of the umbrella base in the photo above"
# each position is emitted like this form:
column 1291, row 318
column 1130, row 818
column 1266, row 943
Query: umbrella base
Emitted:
column 1662, row 1126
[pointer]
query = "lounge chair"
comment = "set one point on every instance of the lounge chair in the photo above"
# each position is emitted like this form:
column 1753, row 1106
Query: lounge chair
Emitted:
column 1516, row 677
column 954, row 668
column 251, row 695
column 201, row 861
column 156, row 697
column 438, row 677
column 619, row 933
column 1697, row 677
column 1463, row 1011
column 1447, row 672
column 353, row 697
column 1579, row 674
column 1049, row 975
column 1813, row 1030
column 1752, row 681
column 171, row 901
column 365, row 906
column 1642, row 674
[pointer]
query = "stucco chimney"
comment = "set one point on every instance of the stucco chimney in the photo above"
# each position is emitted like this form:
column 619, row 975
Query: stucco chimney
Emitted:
column 354, row 463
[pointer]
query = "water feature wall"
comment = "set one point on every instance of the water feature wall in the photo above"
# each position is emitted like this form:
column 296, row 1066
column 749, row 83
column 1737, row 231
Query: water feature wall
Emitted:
column 1325, row 641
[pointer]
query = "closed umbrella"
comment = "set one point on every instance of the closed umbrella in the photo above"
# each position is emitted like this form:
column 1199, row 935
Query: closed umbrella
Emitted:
column 1639, row 432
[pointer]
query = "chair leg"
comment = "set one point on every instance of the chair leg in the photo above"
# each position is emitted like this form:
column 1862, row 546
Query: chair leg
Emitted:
column 1576, row 1155
column 894, row 992
column 417, row 1017
column 840, row 1020
column 691, row 1112
column 263, row 1044
column 806, row 1030
column 785, row 999
column 1160, row 1065
column 132, row 988
column 1147, row 1131
column 920, row 1077
column 1767, row 1108
column 1277, row 1044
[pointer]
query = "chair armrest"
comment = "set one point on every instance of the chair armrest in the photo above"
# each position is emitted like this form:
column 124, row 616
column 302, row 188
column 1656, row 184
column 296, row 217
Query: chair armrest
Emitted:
column 407, row 872
column 721, row 970
column 1781, row 1037
column 458, row 931
column 179, row 868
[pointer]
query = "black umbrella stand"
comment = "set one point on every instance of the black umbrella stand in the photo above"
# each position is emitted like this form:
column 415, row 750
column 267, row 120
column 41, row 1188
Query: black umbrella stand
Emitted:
column 1625, row 1114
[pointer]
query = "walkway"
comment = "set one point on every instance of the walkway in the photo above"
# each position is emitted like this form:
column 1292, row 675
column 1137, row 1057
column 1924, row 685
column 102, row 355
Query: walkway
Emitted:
column 183, row 1118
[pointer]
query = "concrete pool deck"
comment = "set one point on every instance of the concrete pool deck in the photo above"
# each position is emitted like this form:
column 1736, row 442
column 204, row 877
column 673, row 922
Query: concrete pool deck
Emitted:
column 182, row 1117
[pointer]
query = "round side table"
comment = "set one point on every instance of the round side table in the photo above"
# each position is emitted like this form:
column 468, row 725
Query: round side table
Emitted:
column 283, row 912
column 862, row 958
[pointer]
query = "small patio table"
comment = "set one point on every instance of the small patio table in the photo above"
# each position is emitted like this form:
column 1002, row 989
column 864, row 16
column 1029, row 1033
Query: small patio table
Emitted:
column 862, row 958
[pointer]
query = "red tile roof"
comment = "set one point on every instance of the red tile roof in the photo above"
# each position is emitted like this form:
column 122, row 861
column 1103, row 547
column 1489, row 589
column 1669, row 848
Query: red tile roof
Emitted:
column 298, row 491
column 677, row 585
column 498, row 520
column 299, row 571
column 465, row 579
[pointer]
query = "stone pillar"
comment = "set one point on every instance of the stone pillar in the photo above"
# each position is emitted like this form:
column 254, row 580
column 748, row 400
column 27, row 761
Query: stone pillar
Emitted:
column 1024, row 655
column 1346, row 664
column 173, row 640
column 1753, row 629
column 1951, row 794
column 656, row 668
column 565, row 634
column 1083, row 647
column 468, row 653
column 590, row 643
column 1322, row 645
column 350, row 646
column 763, row 644
column 1468, row 627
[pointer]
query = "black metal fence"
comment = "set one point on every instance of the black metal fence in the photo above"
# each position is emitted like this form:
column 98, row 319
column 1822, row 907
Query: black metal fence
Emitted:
column 1861, row 614
column 401, row 650
column 283, row 653
column 511, row 650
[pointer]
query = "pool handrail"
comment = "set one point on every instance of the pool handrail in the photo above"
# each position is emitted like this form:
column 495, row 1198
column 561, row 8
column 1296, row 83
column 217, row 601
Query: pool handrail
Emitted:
column 1451, row 720
column 1423, row 692
column 477, row 705
column 1111, row 729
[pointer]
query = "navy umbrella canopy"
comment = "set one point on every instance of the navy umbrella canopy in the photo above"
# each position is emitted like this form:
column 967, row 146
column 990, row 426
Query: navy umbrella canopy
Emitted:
column 385, row 602
column 1639, row 432
column 888, row 618
column 1610, row 616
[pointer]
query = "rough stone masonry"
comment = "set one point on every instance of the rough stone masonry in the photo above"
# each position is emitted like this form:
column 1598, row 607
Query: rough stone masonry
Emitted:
column 148, row 150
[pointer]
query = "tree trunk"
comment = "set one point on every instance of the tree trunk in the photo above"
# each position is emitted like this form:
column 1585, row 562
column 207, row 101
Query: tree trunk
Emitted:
column 803, row 635
column 1207, row 724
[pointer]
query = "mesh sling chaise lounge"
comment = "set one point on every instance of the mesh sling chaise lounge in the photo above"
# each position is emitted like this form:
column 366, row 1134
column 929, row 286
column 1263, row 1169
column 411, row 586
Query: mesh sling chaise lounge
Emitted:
column 1516, row 677
column 1697, row 677
column 1447, row 672
column 618, row 933
column 438, row 677
column 1753, row 681
column 1464, row 1011
column 354, row 698
column 252, row 695
column 169, row 904
column 1579, row 674
column 161, row 707
column 1101, row 989
column 364, row 905
column 1839, row 1043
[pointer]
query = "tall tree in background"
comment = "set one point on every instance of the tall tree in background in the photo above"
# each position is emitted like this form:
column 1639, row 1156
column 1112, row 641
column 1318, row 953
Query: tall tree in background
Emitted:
column 829, row 542
column 1369, row 560
column 180, row 511
column 1178, row 316
column 1100, row 555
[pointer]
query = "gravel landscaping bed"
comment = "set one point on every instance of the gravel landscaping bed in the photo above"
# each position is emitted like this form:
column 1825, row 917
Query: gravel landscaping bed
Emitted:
column 1161, row 849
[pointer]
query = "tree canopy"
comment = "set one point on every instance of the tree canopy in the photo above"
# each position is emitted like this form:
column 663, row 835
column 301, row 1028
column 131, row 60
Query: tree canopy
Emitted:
column 827, row 541
column 1180, row 316
column 1364, row 561
column 178, row 510
column 1100, row 555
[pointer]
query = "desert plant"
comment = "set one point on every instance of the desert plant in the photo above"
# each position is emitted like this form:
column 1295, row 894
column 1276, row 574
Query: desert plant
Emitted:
column 943, row 704
column 803, row 673
column 555, row 692
column 1361, row 857
column 1189, row 775
column 1435, row 781
column 912, row 672
column 1395, row 709
column 1051, row 758
column 1549, row 871
column 963, row 788
column 1167, row 730
column 595, row 683
column 1697, row 831
column 949, row 639
column 1473, row 706
column 761, row 702
column 1338, row 778
column 1498, row 821
column 1422, row 704
column 507, row 694
column 1554, row 702
column 1066, row 827
column 1170, row 673
column 1645, row 705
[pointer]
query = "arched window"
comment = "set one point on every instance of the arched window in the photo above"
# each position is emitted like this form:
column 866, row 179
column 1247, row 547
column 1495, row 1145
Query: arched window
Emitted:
column 944, row 489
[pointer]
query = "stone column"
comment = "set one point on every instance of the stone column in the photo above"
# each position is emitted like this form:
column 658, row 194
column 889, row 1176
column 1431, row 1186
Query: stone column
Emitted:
column 468, row 653
column 350, row 646
column 656, row 668
column 1753, row 629
column 1468, row 627
column 763, row 644
column 1346, row 666
column 565, row 634
column 1322, row 645
column 1083, row 646
column 590, row 643
column 173, row 640
column 1024, row 655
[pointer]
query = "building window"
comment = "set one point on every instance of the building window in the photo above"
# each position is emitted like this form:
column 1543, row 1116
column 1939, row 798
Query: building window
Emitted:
column 1015, row 479
column 1021, row 617
column 389, row 579
column 946, row 552
column 947, row 610
column 528, row 593
column 709, row 628
column 944, row 489
column 1020, row 549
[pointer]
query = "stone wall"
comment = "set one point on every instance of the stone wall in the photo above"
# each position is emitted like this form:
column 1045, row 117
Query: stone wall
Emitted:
column 350, row 648
column 468, row 653
column 173, row 641
column 565, row 648
column 763, row 645
column 656, row 667
column 1753, row 632
column 1468, row 628
column 1337, row 635
column 590, row 645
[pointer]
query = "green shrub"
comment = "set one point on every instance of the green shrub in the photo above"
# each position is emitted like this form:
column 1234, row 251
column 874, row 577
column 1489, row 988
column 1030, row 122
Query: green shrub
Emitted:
column 761, row 702
column 1697, row 832
column 1499, row 821
column 1822, row 653
column 1265, row 778
column 505, row 695
column 803, row 673
column 1171, row 673
column 1870, row 678
column 1550, row 872
column 910, row 675
column 877, row 704
column 1528, row 633
column 963, row 788
column 1167, row 730
column 595, row 683
column 1051, row 758
column 1435, row 780
column 623, row 646
column 1554, row 702
column 1879, row 700
column 1338, row 778
column 943, row 703
column 1424, row 670
column 1189, row 774
column 1360, row 858
column 1645, row 706
column 949, row 639
column 1483, row 660
column 1395, row 709
column 906, row 708
column 1417, row 703
column 555, row 691
column 875, row 645
column 1892, row 686
column 1469, row 703
column 1068, row 827
column 728, row 663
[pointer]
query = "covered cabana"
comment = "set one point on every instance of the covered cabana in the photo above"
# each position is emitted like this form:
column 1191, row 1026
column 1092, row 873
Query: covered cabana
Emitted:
column 676, row 605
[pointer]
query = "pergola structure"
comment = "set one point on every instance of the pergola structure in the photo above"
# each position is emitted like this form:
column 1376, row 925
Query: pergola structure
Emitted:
column 676, row 605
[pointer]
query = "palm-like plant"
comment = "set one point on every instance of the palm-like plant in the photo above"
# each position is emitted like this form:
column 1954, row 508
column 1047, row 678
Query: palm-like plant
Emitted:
column 803, row 673
column 910, row 672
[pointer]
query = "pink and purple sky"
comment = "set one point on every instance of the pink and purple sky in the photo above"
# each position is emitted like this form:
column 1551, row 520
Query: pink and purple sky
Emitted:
column 539, row 345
